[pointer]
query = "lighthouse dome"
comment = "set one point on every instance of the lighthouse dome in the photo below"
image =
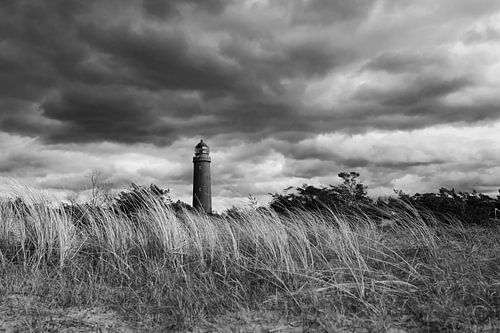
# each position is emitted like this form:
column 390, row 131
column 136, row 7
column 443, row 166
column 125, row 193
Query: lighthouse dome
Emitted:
column 201, row 148
column 201, row 144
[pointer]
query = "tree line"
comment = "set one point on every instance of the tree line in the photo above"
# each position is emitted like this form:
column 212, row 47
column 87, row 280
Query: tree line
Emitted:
column 348, row 197
column 351, row 195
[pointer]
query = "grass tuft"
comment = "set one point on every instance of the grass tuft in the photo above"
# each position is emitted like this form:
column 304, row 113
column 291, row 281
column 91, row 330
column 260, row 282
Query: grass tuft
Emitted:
column 314, row 268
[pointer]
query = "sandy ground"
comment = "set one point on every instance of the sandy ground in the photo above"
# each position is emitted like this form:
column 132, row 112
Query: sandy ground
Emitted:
column 21, row 313
column 24, row 313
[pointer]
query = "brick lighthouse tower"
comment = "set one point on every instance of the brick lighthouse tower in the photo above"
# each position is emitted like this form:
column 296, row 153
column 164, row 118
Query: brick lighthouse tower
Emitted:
column 202, row 190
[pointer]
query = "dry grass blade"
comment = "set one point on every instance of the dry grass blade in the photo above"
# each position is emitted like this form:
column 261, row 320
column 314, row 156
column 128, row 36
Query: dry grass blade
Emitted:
column 186, row 267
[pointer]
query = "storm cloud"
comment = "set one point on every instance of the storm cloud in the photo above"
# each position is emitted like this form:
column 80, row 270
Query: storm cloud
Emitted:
column 153, row 75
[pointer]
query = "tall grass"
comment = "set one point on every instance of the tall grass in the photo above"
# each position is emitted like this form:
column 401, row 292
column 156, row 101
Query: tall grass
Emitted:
column 190, row 266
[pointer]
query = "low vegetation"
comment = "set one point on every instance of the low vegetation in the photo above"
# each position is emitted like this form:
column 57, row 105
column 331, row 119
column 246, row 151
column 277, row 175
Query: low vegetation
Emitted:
column 317, row 268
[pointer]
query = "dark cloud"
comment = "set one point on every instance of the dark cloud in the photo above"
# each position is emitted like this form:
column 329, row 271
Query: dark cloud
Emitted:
column 485, row 112
column 404, row 62
column 321, row 12
column 418, row 103
column 115, row 114
column 23, row 75
column 314, row 168
column 422, row 89
column 267, row 76
column 335, row 158
column 163, row 9
column 103, row 113
column 159, row 8
column 259, row 119
column 269, row 62
column 38, row 41
column 99, row 75
column 23, row 117
column 161, row 60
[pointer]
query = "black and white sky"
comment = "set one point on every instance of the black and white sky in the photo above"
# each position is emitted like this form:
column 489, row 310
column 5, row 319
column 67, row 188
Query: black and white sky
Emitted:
column 285, row 92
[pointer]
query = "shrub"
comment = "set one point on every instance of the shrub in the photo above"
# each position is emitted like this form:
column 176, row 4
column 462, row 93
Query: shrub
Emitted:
column 472, row 207
column 346, row 196
column 139, row 197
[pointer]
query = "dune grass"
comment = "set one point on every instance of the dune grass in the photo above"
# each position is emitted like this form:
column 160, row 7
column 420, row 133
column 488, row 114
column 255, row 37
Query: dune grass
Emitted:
column 317, row 271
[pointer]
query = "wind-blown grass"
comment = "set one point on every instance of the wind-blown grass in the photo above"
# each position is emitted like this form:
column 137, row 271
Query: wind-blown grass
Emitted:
column 184, row 268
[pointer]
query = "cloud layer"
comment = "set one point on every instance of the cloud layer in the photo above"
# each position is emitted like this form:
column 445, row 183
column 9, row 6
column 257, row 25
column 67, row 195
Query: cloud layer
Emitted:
column 289, row 83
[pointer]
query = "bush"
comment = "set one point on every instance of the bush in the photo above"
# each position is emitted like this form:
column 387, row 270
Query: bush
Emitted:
column 351, row 197
column 347, row 196
column 472, row 207
column 139, row 198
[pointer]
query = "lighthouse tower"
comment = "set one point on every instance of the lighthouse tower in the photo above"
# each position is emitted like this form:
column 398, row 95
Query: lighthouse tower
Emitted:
column 202, row 190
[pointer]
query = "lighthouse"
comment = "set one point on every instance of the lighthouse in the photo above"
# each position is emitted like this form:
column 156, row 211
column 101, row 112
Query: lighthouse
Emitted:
column 202, row 190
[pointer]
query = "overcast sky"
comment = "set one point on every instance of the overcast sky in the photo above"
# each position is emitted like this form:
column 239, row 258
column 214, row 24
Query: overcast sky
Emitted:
column 407, row 93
